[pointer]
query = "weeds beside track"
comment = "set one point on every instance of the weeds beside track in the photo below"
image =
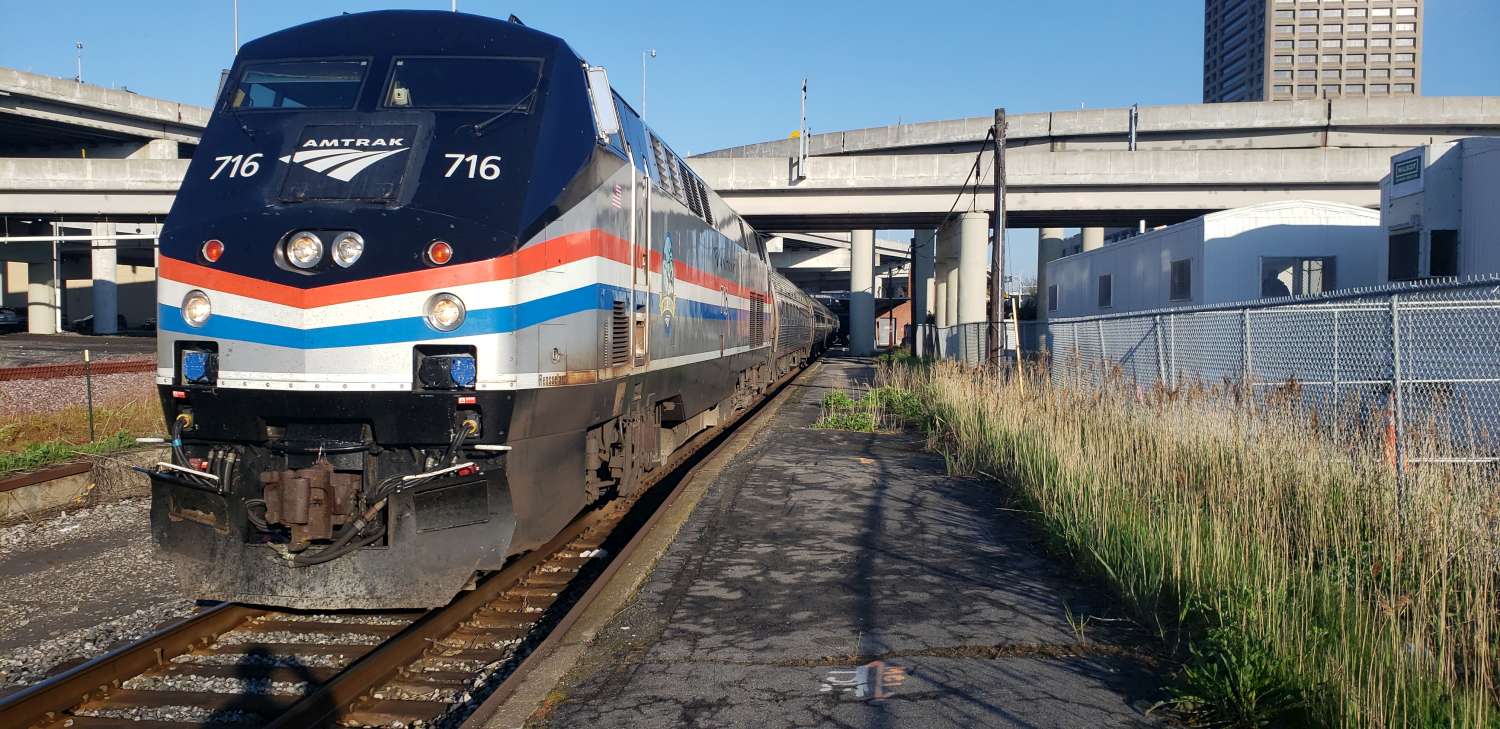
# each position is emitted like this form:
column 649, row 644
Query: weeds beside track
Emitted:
column 1276, row 561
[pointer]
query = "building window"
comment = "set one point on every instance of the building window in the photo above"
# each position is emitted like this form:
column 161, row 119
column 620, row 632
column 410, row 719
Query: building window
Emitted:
column 1380, row 12
column 1307, row 74
column 1406, row 88
column 1308, row 43
column 1356, row 27
column 1380, row 73
column 1443, row 258
column 1283, row 14
column 1406, row 42
column 1283, row 44
column 1405, row 257
column 1284, row 29
column 1380, row 89
column 1052, row 297
column 1307, row 90
column 1407, row 12
column 1380, row 42
column 1331, row 90
column 1304, row 60
column 1333, row 13
column 1308, row 14
column 1380, row 28
column 1330, row 73
column 1332, row 58
column 1405, row 72
column 1355, row 58
column 1356, row 43
column 1332, row 28
column 1357, row 12
column 1280, row 276
column 1406, row 57
column 1283, row 59
column 1354, row 88
column 1355, row 72
column 1406, row 27
column 1181, row 286
column 1106, row 291
column 1332, row 43
column 1281, row 89
column 1282, row 75
column 1380, row 58
column 1309, row 29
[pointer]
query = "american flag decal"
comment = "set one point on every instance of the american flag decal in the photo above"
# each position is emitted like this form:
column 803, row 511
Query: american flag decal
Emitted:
column 614, row 199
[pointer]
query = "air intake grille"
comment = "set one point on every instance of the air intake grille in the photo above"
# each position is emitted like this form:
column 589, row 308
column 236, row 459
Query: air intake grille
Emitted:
column 617, row 339
column 757, row 319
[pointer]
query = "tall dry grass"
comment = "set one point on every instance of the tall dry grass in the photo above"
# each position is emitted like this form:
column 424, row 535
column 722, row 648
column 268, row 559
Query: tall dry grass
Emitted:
column 1310, row 596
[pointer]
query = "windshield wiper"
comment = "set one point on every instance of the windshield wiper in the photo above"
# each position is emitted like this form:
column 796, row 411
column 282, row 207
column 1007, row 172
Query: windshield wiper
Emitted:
column 524, row 103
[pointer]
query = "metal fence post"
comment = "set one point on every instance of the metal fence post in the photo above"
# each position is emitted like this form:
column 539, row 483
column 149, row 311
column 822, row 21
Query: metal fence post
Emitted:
column 1172, row 346
column 1398, row 402
column 1245, row 344
column 1336, row 345
column 1103, row 353
column 1161, row 365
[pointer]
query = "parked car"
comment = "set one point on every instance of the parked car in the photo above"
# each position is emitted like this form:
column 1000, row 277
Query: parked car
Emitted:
column 86, row 324
column 12, row 320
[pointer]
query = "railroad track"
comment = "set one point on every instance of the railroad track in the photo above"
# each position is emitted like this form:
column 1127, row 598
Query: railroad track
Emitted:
column 237, row 665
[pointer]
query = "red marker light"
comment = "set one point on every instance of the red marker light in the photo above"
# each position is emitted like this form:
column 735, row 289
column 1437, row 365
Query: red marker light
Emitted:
column 179, row 394
column 467, row 471
column 439, row 252
column 468, row 400
column 212, row 250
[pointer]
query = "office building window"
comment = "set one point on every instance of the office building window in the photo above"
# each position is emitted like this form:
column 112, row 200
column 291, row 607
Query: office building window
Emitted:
column 1442, row 260
column 1283, row 59
column 1332, row 58
column 1406, row 88
column 1106, row 291
column 1283, row 44
column 1407, row 12
column 1283, row 15
column 1380, row 73
column 1307, row 43
column 1332, row 28
column 1406, row 57
column 1406, row 27
column 1405, row 257
column 1405, row 72
column 1333, row 13
column 1329, row 73
column 1282, row 89
column 1284, row 29
column 1308, row 14
column 1380, row 12
column 1357, row 12
column 1380, row 89
column 1181, row 285
column 1356, row 42
column 1307, row 74
column 1380, row 42
column 1354, row 88
column 1380, row 58
column 1052, row 297
column 1406, row 42
column 1356, row 27
column 1309, row 29
column 1355, row 58
column 1380, row 28
column 1332, row 43
column 1330, row 90
column 1307, row 90
column 1355, row 73
column 1308, row 59
column 1282, row 276
column 1282, row 74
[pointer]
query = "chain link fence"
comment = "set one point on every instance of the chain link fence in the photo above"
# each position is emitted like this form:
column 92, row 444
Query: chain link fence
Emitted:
column 1420, row 360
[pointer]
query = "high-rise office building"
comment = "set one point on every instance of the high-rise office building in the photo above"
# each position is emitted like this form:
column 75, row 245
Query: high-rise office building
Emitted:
column 1270, row 50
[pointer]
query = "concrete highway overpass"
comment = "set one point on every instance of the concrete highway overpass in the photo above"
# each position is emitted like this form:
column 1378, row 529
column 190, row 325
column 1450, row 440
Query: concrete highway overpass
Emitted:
column 1077, row 168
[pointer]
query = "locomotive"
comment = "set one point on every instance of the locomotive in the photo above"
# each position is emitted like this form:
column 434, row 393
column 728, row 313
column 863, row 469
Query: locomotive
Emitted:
column 430, row 288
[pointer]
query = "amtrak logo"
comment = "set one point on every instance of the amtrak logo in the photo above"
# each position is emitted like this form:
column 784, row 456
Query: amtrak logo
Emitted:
column 342, row 159
column 668, row 305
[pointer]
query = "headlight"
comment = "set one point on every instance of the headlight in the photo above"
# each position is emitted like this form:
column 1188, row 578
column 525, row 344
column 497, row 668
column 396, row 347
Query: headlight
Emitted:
column 304, row 249
column 445, row 312
column 196, row 308
column 347, row 247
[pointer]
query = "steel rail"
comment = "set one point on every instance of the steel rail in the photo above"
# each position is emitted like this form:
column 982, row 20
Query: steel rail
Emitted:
column 45, row 702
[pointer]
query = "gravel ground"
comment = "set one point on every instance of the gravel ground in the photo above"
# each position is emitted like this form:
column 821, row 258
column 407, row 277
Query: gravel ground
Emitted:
column 31, row 350
column 74, row 585
column 18, row 397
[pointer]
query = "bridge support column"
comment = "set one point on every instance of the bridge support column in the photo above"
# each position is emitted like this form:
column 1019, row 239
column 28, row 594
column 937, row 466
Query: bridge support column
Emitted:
column 41, row 308
column 923, row 243
column 105, row 293
column 862, row 293
column 1093, row 238
column 1048, row 248
column 973, row 267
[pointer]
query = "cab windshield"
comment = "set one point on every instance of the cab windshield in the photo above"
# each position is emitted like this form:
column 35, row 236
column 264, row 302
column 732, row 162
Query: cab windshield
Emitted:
column 332, row 84
column 452, row 82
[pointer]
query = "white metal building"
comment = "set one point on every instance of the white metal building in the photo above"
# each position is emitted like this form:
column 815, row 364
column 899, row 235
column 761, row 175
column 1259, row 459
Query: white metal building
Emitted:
column 1440, row 207
column 1261, row 251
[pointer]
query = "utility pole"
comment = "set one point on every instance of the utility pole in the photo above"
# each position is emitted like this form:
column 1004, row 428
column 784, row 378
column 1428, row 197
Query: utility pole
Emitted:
column 652, row 53
column 997, row 259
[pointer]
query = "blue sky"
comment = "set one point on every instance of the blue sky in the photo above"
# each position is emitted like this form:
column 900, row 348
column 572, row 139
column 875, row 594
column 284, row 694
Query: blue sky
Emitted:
column 728, row 73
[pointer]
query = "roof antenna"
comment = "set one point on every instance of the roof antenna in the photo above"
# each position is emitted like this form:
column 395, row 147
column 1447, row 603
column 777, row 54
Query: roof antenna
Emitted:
column 516, row 20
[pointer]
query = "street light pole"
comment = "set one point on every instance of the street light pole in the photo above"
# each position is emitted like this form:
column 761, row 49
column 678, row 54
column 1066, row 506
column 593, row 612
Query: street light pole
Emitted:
column 652, row 53
column 79, row 46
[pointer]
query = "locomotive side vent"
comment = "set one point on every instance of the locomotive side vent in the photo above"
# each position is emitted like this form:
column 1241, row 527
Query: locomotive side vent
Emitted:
column 617, row 339
column 690, row 186
column 757, row 319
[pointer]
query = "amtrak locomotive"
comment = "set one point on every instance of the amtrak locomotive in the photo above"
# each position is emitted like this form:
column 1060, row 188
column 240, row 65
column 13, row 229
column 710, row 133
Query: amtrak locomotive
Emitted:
column 431, row 288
